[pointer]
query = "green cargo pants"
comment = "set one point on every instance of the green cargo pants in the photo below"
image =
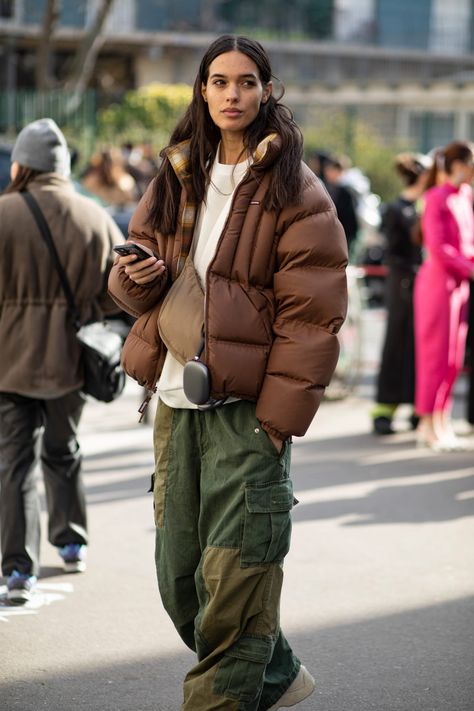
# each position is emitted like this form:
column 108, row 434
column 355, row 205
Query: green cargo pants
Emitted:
column 222, row 499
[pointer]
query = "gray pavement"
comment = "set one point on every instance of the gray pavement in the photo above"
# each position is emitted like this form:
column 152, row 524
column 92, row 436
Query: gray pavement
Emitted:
column 379, row 588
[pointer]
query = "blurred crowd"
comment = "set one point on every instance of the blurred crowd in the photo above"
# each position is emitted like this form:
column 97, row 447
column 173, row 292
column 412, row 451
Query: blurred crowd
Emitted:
column 425, row 241
column 119, row 177
column 116, row 178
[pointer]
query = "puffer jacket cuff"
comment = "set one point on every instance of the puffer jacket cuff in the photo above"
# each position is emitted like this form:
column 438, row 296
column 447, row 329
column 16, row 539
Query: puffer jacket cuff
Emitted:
column 136, row 299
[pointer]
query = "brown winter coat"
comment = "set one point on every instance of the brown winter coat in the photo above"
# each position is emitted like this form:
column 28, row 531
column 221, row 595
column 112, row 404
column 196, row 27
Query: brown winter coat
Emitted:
column 275, row 299
column 39, row 350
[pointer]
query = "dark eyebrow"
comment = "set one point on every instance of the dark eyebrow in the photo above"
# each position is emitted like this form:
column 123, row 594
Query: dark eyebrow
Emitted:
column 241, row 76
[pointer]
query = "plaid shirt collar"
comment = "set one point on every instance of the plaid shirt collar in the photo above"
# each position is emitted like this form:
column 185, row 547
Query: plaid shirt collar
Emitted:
column 178, row 156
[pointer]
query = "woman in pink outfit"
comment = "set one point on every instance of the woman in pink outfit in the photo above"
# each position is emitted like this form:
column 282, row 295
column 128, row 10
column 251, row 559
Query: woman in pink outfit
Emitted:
column 442, row 292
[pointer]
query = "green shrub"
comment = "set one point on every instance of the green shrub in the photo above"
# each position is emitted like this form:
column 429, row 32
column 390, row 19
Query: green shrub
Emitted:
column 146, row 114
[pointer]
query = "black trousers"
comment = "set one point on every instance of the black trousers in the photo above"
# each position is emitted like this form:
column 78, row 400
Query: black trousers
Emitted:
column 396, row 379
column 33, row 429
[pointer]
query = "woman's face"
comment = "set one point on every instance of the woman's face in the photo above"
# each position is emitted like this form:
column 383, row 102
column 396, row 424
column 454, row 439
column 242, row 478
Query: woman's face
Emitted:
column 462, row 171
column 234, row 92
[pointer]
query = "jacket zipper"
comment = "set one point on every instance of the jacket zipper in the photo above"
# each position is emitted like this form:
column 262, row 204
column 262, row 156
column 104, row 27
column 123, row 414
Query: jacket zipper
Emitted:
column 224, row 228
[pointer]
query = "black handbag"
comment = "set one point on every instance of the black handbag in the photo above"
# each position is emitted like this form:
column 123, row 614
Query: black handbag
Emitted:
column 104, row 377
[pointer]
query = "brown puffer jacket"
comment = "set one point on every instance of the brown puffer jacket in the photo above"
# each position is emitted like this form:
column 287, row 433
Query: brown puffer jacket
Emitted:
column 276, row 297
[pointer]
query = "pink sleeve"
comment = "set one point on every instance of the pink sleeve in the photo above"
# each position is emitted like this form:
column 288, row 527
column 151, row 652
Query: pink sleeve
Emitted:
column 436, row 223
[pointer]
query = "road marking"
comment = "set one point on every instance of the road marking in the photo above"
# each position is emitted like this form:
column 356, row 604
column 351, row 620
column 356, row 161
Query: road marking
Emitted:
column 44, row 594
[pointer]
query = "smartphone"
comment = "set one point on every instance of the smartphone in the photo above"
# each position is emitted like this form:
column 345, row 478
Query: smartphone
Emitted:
column 134, row 248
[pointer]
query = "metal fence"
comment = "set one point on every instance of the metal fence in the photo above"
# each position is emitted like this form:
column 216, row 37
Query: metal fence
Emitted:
column 79, row 123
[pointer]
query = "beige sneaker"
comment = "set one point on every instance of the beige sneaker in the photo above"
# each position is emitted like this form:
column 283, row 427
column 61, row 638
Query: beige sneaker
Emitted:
column 302, row 687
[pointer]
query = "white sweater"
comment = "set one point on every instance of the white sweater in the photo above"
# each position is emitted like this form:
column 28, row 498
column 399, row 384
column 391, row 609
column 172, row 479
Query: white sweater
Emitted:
column 210, row 223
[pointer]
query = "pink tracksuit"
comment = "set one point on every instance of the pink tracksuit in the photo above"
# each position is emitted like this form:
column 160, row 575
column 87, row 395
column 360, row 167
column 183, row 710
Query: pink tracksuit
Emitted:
column 441, row 294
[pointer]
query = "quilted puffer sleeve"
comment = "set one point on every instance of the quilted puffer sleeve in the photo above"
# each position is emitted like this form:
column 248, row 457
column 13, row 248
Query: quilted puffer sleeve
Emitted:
column 311, row 302
column 134, row 298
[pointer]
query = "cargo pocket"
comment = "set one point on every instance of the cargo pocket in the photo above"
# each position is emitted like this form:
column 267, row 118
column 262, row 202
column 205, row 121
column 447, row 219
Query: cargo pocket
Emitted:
column 240, row 673
column 267, row 522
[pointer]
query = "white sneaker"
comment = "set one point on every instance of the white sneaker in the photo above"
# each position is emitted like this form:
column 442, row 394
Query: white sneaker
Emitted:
column 302, row 687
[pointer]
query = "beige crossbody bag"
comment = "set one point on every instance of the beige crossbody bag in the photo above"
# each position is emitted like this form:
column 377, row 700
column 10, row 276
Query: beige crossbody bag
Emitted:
column 181, row 319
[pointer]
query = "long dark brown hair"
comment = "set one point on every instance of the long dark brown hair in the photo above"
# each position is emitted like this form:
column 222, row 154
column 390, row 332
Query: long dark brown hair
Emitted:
column 104, row 165
column 21, row 180
column 204, row 135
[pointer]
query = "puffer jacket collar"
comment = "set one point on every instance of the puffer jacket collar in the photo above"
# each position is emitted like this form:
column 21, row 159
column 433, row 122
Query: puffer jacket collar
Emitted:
column 178, row 155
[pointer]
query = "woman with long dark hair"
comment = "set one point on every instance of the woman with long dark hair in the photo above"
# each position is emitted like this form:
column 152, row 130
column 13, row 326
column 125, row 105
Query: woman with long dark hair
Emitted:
column 106, row 178
column 442, row 293
column 238, row 312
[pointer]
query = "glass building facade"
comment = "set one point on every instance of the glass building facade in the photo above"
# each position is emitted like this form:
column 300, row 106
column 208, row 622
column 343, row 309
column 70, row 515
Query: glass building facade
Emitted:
column 429, row 25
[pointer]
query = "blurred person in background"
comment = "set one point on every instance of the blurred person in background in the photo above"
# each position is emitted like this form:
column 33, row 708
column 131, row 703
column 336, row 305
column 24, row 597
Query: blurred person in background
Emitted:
column 131, row 155
column 107, row 178
column 396, row 378
column 442, row 292
column 317, row 162
column 341, row 194
column 141, row 162
column 233, row 199
column 40, row 380
column 470, row 358
column 469, row 410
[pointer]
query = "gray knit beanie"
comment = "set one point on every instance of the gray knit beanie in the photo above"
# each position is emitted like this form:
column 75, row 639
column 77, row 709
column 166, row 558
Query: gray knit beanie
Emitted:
column 41, row 146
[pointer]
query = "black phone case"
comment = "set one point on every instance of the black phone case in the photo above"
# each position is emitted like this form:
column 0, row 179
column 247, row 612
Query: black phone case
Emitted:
column 124, row 250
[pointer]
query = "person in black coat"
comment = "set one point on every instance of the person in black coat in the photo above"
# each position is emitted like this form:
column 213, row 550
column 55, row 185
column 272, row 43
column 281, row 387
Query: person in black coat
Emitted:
column 342, row 197
column 396, row 379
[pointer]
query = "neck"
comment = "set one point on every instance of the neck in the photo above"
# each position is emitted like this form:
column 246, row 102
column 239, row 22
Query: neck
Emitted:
column 232, row 150
column 412, row 193
column 454, row 180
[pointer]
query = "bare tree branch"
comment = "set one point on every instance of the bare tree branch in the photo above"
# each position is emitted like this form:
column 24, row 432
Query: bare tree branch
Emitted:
column 86, row 56
column 43, row 78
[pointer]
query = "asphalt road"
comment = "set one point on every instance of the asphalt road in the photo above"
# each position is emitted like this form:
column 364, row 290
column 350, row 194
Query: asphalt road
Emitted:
column 379, row 590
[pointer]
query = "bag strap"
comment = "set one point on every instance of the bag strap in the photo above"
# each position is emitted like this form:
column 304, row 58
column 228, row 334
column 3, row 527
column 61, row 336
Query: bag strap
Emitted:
column 46, row 235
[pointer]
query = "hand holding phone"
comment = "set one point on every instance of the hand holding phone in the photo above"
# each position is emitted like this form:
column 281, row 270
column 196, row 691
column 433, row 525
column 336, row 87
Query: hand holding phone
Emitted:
column 139, row 250
column 145, row 273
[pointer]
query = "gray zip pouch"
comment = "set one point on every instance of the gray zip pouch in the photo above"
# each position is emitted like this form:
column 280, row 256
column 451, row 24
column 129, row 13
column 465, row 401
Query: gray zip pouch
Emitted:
column 197, row 382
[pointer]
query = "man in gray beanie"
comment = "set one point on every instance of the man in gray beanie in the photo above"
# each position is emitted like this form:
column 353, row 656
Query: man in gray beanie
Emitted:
column 41, row 146
column 41, row 377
